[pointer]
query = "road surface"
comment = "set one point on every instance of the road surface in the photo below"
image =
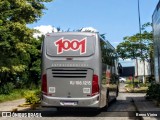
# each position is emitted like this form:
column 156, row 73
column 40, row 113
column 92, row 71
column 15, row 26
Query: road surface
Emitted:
column 122, row 109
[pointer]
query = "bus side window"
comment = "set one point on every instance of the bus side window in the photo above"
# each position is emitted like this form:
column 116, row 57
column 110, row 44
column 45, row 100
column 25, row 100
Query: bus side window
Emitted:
column 103, row 51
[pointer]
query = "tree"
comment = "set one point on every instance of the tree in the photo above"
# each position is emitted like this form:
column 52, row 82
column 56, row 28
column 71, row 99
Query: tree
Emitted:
column 138, row 46
column 18, row 48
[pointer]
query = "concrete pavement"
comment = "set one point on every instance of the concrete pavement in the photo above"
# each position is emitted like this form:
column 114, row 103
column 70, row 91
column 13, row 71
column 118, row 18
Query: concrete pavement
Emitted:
column 12, row 105
column 147, row 109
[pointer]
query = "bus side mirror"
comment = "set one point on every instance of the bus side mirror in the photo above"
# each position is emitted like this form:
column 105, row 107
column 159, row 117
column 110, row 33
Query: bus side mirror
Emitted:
column 120, row 68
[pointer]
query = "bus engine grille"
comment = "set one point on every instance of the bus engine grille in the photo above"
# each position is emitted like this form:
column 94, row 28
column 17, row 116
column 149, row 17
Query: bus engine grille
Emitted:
column 69, row 73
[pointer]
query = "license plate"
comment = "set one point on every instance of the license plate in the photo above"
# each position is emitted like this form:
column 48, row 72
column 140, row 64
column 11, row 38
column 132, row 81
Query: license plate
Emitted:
column 69, row 103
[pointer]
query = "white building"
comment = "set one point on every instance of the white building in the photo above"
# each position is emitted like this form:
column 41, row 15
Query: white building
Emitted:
column 142, row 69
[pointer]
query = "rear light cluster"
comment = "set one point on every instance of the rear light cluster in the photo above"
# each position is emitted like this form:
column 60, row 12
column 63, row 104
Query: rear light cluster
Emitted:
column 95, row 85
column 44, row 83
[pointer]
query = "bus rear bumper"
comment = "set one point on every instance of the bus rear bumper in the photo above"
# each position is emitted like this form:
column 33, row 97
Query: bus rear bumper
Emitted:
column 48, row 101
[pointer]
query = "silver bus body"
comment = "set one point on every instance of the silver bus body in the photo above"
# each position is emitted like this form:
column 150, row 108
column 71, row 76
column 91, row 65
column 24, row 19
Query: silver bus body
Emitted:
column 77, row 71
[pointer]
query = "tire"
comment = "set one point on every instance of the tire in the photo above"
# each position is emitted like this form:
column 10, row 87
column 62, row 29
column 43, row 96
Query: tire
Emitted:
column 107, row 98
column 117, row 92
column 107, row 102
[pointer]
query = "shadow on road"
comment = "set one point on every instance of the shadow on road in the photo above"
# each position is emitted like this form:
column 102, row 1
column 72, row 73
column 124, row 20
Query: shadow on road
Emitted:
column 122, row 107
column 109, row 111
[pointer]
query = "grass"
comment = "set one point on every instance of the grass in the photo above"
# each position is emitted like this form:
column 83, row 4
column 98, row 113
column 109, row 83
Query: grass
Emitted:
column 137, row 90
column 15, row 94
column 130, row 81
column 141, row 89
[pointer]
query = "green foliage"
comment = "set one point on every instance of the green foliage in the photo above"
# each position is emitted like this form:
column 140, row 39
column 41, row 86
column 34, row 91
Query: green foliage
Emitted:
column 129, row 85
column 138, row 45
column 131, row 81
column 144, row 84
column 136, row 87
column 20, row 52
column 153, row 92
column 32, row 97
column 137, row 83
column 7, row 88
column 114, row 78
column 15, row 94
column 150, row 79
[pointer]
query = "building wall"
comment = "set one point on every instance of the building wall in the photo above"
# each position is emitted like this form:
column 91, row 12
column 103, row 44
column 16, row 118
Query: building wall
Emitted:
column 141, row 67
column 129, row 63
column 156, row 41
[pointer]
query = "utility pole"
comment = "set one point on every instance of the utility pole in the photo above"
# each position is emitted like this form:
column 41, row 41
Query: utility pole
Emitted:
column 139, row 18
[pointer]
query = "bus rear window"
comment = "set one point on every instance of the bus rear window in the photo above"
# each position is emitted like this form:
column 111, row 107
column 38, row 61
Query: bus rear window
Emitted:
column 70, row 45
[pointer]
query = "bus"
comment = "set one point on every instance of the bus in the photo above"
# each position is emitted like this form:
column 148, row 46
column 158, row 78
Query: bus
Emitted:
column 156, row 41
column 79, row 69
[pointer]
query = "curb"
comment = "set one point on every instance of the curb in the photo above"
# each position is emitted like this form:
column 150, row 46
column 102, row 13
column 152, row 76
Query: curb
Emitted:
column 137, row 110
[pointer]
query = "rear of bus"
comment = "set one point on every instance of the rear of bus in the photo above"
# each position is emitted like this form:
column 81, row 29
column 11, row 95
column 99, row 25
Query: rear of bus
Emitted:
column 71, row 70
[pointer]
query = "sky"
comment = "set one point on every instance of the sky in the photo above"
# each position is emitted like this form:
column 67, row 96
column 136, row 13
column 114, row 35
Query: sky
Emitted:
column 115, row 18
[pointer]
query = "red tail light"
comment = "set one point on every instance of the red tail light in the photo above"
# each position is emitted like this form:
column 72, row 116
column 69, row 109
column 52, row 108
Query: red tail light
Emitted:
column 44, row 83
column 95, row 86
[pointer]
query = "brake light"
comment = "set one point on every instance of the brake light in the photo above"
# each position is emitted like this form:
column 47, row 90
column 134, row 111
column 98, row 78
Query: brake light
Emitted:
column 44, row 83
column 95, row 86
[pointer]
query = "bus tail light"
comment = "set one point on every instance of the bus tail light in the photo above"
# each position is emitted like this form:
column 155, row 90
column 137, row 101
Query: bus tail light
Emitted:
column 44, row 83
column 95, row 86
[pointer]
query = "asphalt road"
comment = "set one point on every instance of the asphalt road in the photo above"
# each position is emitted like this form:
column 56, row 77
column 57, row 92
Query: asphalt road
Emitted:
column 121, row 109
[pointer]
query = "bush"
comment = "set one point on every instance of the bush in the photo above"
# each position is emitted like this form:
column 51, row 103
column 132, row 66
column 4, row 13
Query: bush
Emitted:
column 153, row 92
column 144, row 85
column 131, row 81
column 20, row 84
column 32, row 97
column 150, row 79
column 7, row 88
column 129, row 85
